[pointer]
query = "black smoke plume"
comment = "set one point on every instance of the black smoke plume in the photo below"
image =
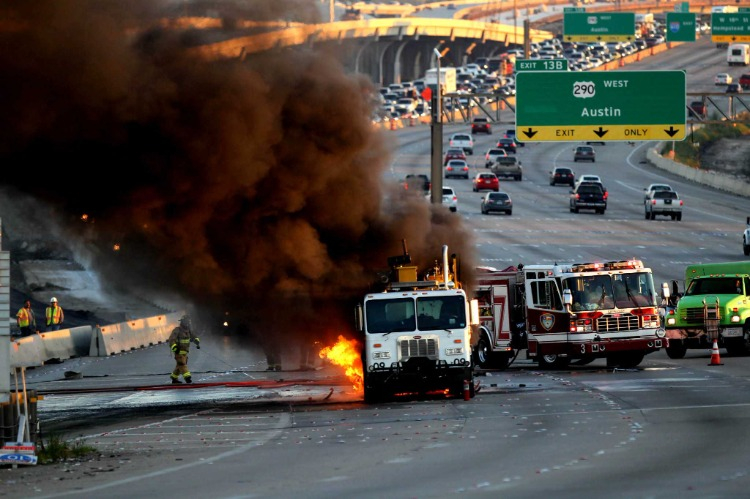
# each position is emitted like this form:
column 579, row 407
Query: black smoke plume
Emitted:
column 252, row 187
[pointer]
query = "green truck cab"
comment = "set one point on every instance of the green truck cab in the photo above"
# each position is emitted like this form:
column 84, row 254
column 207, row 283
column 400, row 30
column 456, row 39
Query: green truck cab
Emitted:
column 715, row 305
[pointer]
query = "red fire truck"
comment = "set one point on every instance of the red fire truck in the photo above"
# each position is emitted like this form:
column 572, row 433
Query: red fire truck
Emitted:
column 567, row 313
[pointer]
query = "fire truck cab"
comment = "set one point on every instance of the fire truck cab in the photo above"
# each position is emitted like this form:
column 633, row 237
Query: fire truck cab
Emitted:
column 563, row 313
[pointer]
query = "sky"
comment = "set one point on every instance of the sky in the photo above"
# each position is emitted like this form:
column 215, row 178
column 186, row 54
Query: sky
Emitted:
column 255, row 190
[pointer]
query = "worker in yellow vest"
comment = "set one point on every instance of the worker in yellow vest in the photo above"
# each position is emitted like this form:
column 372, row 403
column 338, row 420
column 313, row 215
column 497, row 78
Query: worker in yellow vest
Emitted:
column 55, row 315
column 26, row 320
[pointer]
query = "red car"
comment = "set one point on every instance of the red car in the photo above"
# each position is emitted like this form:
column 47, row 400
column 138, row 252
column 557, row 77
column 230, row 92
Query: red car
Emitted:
column 454, row 153
column 486, row 181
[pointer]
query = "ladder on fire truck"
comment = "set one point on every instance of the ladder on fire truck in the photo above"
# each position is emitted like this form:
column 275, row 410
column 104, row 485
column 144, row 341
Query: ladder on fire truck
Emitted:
column 711, row 317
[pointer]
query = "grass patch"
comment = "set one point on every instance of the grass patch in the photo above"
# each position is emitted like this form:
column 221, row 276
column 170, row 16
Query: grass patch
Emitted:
column 56, row 449
column 689, row 151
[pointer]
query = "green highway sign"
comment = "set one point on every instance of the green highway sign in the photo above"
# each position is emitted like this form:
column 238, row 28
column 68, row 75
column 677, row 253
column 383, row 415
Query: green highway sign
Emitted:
column 731, row 27
column 541, row 65
column 682, row 7
column 680, row 27
column 598, row 27
column 574, row 9
column 599, row 105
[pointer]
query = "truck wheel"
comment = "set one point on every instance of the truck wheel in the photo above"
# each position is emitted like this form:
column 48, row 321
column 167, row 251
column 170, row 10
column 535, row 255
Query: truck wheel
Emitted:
column 679, row 217
column 483, row 354
column 552, row 362
column 676, row 349
column 739, row 347
column 646, row 215
column 519, row 177
column 652, row 215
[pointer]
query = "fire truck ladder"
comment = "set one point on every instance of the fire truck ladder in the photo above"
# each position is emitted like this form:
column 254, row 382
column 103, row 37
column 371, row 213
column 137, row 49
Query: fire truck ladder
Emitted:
column 711, row 316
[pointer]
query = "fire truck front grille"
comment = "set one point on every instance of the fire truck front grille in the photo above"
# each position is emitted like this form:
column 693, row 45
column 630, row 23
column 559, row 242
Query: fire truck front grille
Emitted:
column 625, row 322
column 694, row 315
column 419, row 348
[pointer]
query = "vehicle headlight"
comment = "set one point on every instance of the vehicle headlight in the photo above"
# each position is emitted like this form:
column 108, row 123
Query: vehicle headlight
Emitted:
column 661, row 333
column 671, row 321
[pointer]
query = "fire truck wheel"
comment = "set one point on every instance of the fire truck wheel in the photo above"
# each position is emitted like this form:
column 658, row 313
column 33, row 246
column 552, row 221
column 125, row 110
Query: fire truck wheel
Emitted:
column 482, row 354
column 553, row 362
column 676, row 349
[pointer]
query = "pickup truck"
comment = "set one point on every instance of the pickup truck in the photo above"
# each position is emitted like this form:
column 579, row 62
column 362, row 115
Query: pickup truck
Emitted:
column 508, row 166
column 663, row 203
column 462, row 141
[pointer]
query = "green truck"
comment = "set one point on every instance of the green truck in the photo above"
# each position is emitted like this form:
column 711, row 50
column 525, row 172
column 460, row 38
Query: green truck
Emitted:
column 715, row 305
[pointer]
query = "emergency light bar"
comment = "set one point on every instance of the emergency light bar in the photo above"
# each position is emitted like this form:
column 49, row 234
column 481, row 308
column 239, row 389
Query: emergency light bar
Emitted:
column 615, row 265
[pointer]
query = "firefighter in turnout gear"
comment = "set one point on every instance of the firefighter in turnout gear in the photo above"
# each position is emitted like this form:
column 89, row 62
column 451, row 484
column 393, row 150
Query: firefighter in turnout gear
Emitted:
column 179, row 342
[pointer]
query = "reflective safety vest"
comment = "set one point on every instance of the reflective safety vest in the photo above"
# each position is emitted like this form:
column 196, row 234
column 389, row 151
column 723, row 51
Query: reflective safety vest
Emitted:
column 24, row 317
column 54, row 315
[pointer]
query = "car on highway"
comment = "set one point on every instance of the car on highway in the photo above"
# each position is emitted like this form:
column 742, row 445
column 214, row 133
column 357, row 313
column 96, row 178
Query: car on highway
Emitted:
column 492, row 154
column 663, row 203
column 450, row 198
column 697, row 109
column 733, row 88
column 588, row 178
column 508, row 144
column 584, row 153
column 745, row 81
column 485, row 181
column 562, row 175
column 457, row 168
column 453, row 153
column 496, row 201
column 722, row 79
column 417, row 182
column 462, row 141
column 655, row 187
column 481, row 125
column 510, row 133
column 588, row 196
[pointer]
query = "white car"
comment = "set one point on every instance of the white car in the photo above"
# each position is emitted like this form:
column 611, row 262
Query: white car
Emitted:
column 588, row 178
column 450, row 199
column 722, row 79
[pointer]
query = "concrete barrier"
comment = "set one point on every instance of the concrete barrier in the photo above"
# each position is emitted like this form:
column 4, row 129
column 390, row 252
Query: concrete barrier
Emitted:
column 727, row 183
column 132, row 335
column 66, row 343
column 28, row 351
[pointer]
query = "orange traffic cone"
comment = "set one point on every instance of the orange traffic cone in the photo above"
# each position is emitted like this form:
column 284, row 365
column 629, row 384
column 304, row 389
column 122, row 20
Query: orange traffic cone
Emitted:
column 715, row 358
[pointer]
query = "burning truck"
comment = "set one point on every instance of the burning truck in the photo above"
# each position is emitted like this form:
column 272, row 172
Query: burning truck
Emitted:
column 417, row 332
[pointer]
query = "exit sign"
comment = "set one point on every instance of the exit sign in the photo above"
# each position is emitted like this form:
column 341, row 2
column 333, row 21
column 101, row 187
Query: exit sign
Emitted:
column 541, row 65
column 599, row 105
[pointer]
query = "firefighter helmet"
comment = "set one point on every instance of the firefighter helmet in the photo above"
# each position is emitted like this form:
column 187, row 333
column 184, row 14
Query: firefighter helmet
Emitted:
column 185, row 320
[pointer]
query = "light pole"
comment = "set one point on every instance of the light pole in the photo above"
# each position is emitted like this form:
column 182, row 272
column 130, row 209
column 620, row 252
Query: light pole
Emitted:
column 436, row 138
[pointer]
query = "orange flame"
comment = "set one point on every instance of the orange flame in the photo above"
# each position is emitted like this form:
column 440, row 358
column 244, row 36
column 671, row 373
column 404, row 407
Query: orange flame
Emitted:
column 346, row 353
